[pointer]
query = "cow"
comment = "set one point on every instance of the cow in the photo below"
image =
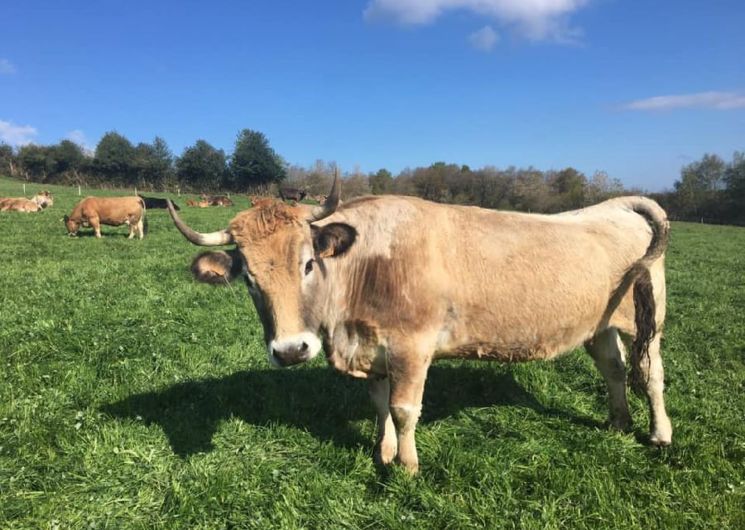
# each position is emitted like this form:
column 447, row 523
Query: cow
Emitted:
column 112, row 211
column 220, row 200
column 20, row 204
column 388, row 284
column 292, row 194
column 155, row 203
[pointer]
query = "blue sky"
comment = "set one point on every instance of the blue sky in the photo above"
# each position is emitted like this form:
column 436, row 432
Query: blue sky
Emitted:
column 637, row 89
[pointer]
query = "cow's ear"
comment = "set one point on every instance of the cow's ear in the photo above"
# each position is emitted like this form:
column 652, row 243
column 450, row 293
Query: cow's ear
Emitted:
column 333, row 239
column 217, row 267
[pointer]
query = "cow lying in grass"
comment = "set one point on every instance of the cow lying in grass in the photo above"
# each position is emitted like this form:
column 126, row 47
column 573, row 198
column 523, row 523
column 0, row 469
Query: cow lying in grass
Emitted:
column 36, row 203
column 112, row 211
column 389, row 284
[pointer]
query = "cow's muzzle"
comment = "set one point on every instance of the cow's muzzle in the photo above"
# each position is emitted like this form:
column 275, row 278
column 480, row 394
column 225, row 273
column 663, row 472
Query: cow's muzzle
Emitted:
column 293, row 350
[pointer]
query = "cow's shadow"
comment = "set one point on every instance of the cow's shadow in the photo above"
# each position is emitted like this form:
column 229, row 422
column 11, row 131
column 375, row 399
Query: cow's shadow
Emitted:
column 317, row 400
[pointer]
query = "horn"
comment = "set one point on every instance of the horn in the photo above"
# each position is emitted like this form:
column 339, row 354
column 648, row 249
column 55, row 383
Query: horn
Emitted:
column 332, row 201
column 213, row 239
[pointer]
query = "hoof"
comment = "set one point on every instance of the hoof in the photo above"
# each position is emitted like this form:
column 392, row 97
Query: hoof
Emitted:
column 659, row 441
column 384, row 453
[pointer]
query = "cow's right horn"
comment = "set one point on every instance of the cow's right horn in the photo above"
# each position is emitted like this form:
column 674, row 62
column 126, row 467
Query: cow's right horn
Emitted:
column 213, row 239
column 332, row 201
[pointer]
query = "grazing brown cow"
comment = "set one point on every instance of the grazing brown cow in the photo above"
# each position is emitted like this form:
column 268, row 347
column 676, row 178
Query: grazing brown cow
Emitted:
column 112, row 211
column 20, row 204
column 389, row 284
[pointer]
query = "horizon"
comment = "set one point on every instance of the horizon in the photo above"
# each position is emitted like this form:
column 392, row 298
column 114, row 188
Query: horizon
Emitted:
column 382, row 84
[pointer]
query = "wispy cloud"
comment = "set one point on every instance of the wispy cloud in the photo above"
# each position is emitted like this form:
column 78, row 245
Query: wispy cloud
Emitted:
column 484, row 39
column 16, row 135
column 6, row 67
column 702, row 100
column 533, row 19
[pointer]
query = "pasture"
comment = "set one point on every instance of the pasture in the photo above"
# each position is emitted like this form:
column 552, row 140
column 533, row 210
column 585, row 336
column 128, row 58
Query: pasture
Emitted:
column 133, row 397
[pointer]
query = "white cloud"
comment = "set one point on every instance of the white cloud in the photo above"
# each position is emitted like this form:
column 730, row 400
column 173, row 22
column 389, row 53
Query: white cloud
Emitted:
column 533, row 19
column 701, row 100
column 16, row 135
column 484, row 39
column 6, row 67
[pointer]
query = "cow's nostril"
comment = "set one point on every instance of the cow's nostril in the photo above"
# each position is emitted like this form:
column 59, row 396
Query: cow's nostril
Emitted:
column 304, row 347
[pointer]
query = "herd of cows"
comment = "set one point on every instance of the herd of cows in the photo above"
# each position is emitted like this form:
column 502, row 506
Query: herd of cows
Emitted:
column 384, row 298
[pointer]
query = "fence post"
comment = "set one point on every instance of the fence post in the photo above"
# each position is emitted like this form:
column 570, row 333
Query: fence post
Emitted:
column 24, row 188
column 78, row 190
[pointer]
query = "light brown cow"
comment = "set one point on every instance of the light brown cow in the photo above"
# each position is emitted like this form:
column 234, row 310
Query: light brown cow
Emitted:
column 112, row 211
column 389, row 284
column 20, row 204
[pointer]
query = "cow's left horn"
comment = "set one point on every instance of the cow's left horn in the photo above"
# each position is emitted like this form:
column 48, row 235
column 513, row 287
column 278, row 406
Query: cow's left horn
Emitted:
column 221, row 237
column 332, row 201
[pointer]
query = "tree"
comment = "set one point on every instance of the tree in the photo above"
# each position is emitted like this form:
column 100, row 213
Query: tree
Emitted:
column 154, row 163
column 734, row 177
column 699, row 185
column 35, row 161
column 253, row 162
column 569, row 184
column 602, row 187
column 67, row 159
column 7, row 160
column 381, row 182
column 114, row 160
column 201, row 167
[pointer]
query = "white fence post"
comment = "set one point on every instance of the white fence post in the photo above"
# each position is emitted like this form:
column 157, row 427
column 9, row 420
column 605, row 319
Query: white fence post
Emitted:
column 78, row 190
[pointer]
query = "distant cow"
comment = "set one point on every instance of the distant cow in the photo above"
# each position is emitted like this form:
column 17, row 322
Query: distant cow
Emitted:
column 292, row 194
column 220, row 200
column 215, row 200
column 20, row 204
column 112, row 211
column 389, row 284
column 154, row 202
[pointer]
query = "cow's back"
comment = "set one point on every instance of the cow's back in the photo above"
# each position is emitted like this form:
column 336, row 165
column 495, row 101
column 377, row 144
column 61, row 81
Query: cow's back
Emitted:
column 503, row 284
column 111, row 210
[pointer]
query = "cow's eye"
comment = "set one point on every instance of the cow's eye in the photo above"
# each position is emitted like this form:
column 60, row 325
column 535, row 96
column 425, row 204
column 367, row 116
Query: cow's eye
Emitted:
column 308, row 266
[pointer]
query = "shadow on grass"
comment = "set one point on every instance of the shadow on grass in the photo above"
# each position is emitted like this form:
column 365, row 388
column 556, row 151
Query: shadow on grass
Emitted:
column 318, row 400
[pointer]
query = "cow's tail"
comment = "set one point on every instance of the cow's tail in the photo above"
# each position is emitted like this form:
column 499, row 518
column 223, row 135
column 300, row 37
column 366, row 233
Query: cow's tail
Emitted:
column 144, row 217
column 645, row 307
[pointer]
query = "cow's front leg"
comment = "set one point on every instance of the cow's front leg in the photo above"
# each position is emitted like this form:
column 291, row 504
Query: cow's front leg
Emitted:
column 407, row 389
column 386, row 444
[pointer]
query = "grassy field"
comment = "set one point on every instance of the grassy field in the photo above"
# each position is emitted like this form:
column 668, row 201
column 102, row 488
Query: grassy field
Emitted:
column 133, row 397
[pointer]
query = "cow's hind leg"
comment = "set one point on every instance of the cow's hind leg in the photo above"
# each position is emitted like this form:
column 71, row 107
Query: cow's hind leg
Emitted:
column 386, row 445
column 607, row 350
column 653, row 380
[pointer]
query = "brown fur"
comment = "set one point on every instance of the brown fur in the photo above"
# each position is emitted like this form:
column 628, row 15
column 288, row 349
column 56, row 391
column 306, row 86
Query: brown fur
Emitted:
column 423, row 281
column 18, row 204
column 112, row 211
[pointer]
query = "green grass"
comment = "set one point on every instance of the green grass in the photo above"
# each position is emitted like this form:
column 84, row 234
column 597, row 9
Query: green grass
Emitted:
column 133, row 397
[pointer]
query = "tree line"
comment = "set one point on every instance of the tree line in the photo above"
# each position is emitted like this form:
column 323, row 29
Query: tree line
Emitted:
column 116, row 162
column 708, row 190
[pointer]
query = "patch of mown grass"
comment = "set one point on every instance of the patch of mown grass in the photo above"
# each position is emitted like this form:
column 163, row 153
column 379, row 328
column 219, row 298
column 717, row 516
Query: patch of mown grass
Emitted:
column 132, row 397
